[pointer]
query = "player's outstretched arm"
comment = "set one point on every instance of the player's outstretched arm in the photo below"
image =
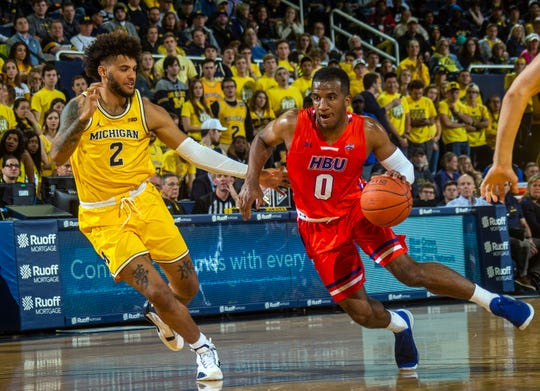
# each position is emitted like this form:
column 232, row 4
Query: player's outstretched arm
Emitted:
column 162, row 124
column 159, row 121
column 73, row 122
column 278, row 131
column 386, row 152
column 526, row 85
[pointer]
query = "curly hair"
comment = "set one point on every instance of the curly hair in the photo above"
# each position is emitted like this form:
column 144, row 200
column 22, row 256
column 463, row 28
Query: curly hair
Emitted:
column 109, row 46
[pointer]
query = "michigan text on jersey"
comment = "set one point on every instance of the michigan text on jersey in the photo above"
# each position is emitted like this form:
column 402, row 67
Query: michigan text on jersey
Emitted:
column 114, row 133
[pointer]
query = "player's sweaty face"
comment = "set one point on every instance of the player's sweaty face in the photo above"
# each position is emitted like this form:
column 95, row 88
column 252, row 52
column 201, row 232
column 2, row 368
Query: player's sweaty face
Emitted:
column 121, row 76
column 329, row 103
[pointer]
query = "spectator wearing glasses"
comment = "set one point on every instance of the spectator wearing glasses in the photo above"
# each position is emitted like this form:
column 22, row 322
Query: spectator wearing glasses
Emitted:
column 426, row 196
column 170, row 190
column 11, row 168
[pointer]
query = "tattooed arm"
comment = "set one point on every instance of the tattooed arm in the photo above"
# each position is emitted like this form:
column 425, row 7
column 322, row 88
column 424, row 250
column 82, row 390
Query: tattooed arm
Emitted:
column 75, row 117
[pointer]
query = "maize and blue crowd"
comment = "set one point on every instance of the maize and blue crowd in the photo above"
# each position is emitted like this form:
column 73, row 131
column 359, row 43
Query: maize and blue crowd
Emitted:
column 224, row 69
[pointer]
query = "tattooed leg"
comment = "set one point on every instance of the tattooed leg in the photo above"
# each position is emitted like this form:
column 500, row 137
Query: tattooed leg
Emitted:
column 141, row 274
column 182, row 279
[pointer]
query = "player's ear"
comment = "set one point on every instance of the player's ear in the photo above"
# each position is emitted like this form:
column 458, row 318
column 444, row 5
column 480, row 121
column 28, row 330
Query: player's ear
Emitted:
column 102, row 71
column 348, row 100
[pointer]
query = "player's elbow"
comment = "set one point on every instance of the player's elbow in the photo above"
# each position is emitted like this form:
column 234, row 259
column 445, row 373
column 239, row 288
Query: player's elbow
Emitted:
column 57, row 158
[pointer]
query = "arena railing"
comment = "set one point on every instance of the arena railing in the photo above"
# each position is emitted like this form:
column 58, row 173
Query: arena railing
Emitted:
column 336, row 29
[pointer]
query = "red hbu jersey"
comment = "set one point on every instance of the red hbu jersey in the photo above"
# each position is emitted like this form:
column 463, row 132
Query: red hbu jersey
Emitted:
column 325, row 178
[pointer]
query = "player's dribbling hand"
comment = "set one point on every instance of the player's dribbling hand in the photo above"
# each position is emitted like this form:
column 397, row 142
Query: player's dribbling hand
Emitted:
column 250, row 193
column 397, row 175
column 89, row 105
column 492, row 187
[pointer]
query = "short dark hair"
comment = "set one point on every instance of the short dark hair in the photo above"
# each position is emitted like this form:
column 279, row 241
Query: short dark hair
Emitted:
column 333, row 74
column 9, row 157
column 170, row 60
column 369, row 79
column 416, row 84
column 390, row 75
column 47, row 68
column 449, row 183
column 228, row 80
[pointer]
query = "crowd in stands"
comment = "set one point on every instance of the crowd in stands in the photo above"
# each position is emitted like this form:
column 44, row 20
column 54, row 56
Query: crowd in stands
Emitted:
column 224, row 69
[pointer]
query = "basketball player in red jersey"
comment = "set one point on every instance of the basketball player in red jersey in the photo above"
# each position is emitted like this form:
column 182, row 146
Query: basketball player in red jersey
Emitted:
column 327, row 147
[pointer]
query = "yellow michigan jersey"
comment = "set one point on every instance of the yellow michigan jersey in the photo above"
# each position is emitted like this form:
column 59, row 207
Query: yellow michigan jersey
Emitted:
column 234, row 119
column 212, row 90
column 112, row 156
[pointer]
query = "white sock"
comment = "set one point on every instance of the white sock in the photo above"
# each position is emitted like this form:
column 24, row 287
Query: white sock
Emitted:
column 482, row 297
column 397, row 323
column 200, row 342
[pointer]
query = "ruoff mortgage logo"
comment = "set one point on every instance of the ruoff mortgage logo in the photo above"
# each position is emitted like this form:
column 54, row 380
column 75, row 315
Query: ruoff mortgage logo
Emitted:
column 498, row 272
column 494, row 224
column 37, row 243
column 42, row 305
column 496, row 248
column 41, row 275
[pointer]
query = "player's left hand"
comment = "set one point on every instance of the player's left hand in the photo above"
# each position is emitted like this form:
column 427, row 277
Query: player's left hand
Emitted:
column 492, row 187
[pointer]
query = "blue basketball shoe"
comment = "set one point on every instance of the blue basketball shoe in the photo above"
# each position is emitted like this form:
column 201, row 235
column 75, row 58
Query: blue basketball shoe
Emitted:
column 515, row 311
column 405, row 348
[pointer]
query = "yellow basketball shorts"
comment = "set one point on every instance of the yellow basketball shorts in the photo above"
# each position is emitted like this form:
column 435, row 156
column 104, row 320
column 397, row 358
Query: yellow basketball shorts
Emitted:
column 130, row 225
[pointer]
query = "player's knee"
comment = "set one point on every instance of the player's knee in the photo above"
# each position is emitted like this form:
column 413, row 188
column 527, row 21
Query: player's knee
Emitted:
column 407, row 271
column 191, row 290
column 161, row 298
column 412, row 276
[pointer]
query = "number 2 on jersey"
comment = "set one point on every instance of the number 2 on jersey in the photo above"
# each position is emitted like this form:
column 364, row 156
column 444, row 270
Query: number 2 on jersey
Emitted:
column 115, row 160
column 323, row 186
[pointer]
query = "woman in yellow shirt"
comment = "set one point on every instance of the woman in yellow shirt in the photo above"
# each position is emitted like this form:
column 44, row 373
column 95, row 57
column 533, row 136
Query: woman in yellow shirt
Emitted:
column 195, row 110
column 51, row 122
column 260, row 111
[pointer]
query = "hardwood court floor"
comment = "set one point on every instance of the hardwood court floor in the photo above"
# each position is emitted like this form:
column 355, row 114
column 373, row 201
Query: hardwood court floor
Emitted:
column 462, row 347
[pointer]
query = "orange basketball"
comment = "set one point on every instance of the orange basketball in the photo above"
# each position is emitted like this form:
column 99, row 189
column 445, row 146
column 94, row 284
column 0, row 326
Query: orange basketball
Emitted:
column 386, row 201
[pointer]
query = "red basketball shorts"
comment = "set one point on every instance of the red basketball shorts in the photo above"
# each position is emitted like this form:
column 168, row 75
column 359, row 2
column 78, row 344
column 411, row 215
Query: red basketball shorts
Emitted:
column 332, row 247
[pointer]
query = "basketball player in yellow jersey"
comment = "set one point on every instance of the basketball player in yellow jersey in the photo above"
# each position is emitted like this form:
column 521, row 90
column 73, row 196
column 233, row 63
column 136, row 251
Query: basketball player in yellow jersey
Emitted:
column 105, row 133
column 233, row 114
